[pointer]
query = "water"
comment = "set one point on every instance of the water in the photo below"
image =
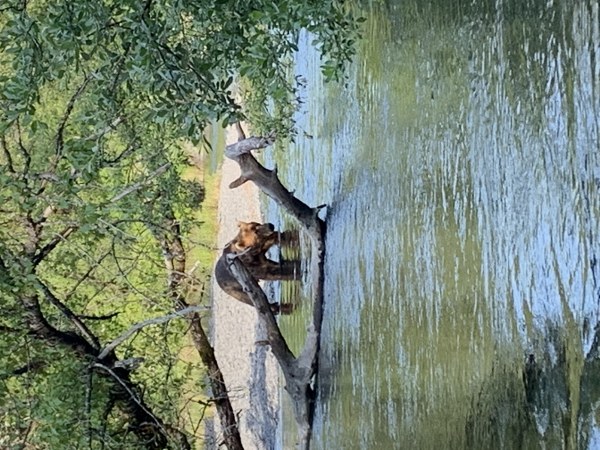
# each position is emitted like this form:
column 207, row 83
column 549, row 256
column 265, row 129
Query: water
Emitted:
column 461, row 166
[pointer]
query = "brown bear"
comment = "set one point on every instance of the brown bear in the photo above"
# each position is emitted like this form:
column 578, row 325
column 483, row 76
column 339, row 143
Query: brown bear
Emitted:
column 252, row 243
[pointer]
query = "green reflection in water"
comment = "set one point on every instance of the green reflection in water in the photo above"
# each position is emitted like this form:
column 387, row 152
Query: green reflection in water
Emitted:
column 461, row 168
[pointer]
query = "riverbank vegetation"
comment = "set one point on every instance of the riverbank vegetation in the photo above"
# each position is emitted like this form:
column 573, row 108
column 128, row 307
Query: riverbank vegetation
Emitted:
column 98, row 213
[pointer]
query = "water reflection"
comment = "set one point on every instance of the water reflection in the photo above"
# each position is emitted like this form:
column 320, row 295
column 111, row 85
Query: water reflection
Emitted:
column 461, row 166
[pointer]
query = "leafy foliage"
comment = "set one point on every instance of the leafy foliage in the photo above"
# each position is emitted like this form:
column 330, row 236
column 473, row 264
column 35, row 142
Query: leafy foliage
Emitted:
column 96, row 99
column 168, row 63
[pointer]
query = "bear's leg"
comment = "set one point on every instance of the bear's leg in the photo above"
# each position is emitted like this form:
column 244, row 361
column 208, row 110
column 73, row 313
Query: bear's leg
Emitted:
column 282, row 308
column 272, row 270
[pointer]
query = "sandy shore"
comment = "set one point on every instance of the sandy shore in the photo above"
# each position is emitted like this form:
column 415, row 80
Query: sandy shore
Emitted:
column 249, row 368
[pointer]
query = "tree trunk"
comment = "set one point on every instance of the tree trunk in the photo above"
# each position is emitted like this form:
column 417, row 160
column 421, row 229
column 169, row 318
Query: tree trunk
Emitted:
column 175, row 260
column 227, row 418
column 143, row 423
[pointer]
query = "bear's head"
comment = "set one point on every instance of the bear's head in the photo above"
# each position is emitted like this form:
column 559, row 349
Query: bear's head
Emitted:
column 257, row 236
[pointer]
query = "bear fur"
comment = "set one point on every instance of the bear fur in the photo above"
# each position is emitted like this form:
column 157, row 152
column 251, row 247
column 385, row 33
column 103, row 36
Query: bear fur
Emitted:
column 251, row 244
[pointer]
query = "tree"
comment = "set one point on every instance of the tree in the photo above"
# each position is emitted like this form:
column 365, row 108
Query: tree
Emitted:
column 95, row 99
column 168, row 63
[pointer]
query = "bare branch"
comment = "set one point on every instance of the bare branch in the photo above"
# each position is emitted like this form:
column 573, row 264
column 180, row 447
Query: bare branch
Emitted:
column 269, row 183
column 247, row 145
column 278, row 344
column 134, row 187
column 110, row 127
column 138, row 326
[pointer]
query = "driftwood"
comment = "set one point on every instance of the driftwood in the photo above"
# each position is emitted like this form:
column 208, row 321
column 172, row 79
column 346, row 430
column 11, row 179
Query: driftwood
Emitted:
column 299, row 371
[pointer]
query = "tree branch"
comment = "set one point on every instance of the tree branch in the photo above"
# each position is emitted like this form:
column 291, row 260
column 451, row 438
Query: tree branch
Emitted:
column 31, row 366
column 138, row 326
column 278, row 344
column 83, row 329
column 99, row 318
column 125, row 386
column 26, row 155
column 174, row 255
column 134, row 187
column 85, row 276
column 6, row 329
column 39, row 326
column 269, row 183
column 46, row 249
column 133, row 145
column 148, row 428
column 110, row 127
column 7, row 155
column 63, row 123
column 227, row 417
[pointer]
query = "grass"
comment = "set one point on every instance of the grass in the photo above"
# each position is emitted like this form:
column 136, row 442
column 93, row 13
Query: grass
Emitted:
column 203, row 238
column 201, row 252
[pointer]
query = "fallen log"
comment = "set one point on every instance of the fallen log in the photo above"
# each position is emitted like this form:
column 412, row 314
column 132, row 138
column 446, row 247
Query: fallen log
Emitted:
column 299, row 371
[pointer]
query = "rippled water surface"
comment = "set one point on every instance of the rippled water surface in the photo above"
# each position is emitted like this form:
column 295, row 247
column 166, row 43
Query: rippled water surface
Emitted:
column 461, row 166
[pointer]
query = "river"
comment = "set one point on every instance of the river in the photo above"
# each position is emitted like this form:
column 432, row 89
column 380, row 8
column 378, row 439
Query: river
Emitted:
column 460, row 162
